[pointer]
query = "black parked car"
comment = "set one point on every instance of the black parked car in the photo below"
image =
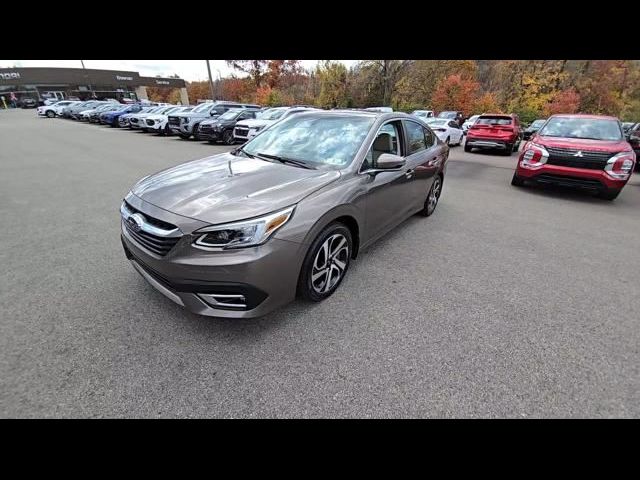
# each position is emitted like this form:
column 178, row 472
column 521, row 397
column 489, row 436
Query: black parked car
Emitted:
column 221, row 128
column 28, row 103
column 532, row 129
column 627, row 127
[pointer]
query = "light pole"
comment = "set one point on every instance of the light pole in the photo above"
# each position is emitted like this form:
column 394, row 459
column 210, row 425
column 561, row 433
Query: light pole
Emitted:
column 213, row 95
column 86, row 75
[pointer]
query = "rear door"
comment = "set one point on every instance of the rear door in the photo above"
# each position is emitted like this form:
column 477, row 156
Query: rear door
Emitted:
column 422, row 153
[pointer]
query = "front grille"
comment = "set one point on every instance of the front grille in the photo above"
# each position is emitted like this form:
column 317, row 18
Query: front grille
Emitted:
column 565, row 157
column 156, row 244
column 242, row 132
column 569, row 181
column 205, row 128
column 174, row 120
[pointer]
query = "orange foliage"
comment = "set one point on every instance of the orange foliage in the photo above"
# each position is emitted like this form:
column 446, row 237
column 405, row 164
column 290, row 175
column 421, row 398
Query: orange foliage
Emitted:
column 566, row 101
column 455, row 93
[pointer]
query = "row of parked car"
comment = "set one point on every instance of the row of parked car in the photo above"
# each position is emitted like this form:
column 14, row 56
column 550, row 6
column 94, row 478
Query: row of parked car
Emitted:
column 585, row 151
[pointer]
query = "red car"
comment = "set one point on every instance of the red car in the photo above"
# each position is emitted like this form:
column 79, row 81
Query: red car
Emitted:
column 495, row 131
column 585, row 151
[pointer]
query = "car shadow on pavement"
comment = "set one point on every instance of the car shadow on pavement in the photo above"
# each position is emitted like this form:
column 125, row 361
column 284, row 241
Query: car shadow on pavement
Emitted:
column 565, row 193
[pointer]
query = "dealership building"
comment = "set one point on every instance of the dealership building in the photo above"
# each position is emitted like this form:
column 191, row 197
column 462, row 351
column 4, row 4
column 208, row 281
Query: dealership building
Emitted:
column 41, row 83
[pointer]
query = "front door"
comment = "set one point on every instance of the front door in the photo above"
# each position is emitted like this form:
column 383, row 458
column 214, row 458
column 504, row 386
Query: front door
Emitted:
column 387, row 197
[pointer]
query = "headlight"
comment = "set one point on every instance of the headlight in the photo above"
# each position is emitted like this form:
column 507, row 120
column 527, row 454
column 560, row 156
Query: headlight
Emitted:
column 257, row 129
column 246, row 233
column 186, row 119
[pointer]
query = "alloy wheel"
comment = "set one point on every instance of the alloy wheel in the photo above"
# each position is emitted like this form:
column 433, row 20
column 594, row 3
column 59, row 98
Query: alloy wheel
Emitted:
column 330, row 263
column 434, row 195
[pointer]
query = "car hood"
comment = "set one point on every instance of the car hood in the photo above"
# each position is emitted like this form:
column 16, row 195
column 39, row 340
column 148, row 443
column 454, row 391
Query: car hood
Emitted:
column 226, row 188
column 254, row 122
column 155, row 117
column 582, row 143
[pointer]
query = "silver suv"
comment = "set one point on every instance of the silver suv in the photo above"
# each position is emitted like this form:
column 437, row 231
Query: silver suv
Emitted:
column 240, row 233
column 186, row 124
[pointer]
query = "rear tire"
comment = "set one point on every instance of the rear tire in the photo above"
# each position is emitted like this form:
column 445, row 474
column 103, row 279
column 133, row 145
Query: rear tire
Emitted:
column 326, row 263
column 516, row 181
column 508, row 151
column 467, row 148
column 448, row 141
column 433, row 197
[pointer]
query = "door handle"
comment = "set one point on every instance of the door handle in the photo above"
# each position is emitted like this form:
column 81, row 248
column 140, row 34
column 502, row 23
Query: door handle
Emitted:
column 409, row 173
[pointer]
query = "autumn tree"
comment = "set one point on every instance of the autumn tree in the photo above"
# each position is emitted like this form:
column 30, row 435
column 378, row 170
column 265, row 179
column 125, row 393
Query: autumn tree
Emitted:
column 487, row 103
column 198, row 91
column 333, row 85
column 455, row 93
column 418, row 82
column 565, row 101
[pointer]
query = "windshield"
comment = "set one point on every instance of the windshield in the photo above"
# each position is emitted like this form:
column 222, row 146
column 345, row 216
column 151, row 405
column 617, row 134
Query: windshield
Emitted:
column 436, row 121
column 315, row 139
column 229, row 114
column 203, row 108
column 493, row 121
column 587, row 128
column 272, row 114
column 448, row 114
column 421, row 113
column 538, row 123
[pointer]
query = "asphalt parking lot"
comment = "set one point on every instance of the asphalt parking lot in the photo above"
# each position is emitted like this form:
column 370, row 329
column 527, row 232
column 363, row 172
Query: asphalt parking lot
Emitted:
column 507, row 302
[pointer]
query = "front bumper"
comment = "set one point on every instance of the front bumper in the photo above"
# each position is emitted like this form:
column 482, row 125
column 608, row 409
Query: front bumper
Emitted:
column 157, row 125
column 211, row 135
column 582, row 178
column 183, row 128
column 265, row 276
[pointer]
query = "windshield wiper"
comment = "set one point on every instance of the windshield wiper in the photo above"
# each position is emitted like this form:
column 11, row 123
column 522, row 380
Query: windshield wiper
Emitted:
column 297, row 163
column 241, row 150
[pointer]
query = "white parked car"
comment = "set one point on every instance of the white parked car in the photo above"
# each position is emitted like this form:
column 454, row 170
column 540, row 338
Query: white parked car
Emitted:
column 423, row 114
column 159, row 122
column 380, row 109
column 247, row 129
column 54, row 109
column 469, row 122
column 446, row 129
column 136, row 120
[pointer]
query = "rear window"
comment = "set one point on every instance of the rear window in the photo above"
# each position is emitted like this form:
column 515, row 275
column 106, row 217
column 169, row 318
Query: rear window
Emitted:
column 494, row 120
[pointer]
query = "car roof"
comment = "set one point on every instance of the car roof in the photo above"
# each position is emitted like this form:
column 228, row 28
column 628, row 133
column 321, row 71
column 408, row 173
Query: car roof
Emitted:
column 584, row 115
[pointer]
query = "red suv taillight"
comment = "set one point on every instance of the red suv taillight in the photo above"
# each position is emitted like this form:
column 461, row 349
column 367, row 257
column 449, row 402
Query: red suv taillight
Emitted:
column 534, row 156
column 619, row 166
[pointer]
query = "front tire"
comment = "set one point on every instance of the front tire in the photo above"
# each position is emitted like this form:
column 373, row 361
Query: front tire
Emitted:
column 467, row 148
column 326, row 263
column 516, row 181
column 431, row 202
column 50, row 114
column 227, row 137
column 609, row 194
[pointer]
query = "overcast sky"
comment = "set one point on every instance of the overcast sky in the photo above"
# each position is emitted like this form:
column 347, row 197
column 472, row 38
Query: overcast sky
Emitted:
column 188, row 69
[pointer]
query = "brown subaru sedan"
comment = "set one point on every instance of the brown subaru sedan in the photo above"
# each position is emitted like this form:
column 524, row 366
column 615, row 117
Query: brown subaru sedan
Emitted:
column 241, row 233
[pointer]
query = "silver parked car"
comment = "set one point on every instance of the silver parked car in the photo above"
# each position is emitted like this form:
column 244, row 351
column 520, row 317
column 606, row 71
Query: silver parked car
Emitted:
column 240, row 233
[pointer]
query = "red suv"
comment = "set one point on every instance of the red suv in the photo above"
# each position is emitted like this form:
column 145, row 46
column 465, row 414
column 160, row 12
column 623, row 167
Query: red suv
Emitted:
column 584, row 151
column 495, row 131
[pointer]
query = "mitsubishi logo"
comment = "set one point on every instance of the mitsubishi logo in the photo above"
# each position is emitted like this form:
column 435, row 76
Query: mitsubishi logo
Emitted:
column 578, row 154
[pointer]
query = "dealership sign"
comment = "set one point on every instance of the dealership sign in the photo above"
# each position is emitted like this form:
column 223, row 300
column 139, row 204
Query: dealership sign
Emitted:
column 119, row 77
column 10, row 75
column 162, row 82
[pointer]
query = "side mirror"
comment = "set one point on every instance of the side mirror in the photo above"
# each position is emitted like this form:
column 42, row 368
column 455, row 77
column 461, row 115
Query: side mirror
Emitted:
column 389, row 161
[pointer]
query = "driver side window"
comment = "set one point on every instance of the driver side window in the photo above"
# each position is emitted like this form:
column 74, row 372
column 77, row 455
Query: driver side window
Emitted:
column 387, row 141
